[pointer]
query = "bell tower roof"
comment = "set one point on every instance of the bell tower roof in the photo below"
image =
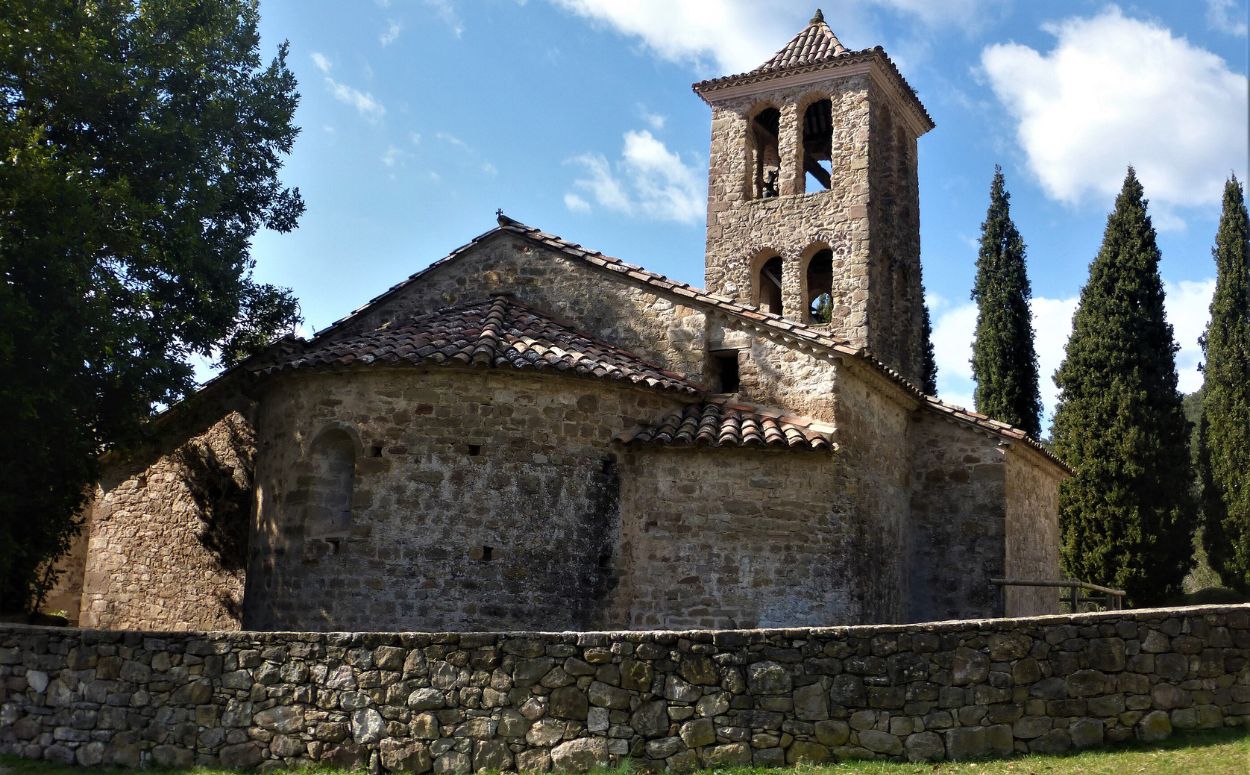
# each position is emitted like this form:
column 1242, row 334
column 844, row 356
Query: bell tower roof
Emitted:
column 813, row 55
column 815, row 43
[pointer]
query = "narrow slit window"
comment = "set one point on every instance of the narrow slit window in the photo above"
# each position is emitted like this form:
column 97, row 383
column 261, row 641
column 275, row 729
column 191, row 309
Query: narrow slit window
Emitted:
column 818, row 146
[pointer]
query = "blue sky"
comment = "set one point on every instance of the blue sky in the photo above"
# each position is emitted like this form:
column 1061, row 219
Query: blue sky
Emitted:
column 421, row 117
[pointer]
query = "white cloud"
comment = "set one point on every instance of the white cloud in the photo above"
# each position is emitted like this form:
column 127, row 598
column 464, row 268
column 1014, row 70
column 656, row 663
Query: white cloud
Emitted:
column 451, row 139
column 1117, row 91
column 321, row 61
column 363, row 102
column 394, row 156
column 415, row 137
column 1187, row 306
column 654, row 120
column 468, row 154
column 731, row 36
column 1189, row 310
column 1225, row 16
column 447, row 13
column 648, row 181
column 576, row 203
column 391, row 34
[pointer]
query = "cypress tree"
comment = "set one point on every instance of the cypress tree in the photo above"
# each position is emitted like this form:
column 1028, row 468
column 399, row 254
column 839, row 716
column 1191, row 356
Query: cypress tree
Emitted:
column 1224, row 429
column 1004, row 361
column 1124, row 516
column 929, row 365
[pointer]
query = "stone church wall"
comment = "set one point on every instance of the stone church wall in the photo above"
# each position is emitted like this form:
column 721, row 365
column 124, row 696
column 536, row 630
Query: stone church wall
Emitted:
column 958, row 524
column 595, row 302
column 167, row 533
column 479, row 500
column 1032, row 532
column 872, row 428
column 456, row 703
column 738, row 538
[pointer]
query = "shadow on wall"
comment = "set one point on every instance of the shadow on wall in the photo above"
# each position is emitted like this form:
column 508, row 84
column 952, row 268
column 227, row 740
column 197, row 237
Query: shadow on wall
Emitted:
column 218, row 476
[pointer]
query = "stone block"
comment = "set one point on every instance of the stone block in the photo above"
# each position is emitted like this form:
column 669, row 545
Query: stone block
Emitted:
column 580, row 755
column 1154, row 726
column 924, row 747
column 698, row 733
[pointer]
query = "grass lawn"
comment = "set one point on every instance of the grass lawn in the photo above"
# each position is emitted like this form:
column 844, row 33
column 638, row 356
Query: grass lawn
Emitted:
column 1200, row 753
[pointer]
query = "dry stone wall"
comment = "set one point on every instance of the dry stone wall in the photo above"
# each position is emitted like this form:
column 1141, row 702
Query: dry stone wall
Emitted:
column 452, row 703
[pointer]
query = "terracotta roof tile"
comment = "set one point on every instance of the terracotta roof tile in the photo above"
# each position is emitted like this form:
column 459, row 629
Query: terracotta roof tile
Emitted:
column 718, row 425
column 497, row 333
column 816, row 43
column 798, row 332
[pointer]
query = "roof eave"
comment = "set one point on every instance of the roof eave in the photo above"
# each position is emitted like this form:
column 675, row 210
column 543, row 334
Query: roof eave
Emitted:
column 872, row 60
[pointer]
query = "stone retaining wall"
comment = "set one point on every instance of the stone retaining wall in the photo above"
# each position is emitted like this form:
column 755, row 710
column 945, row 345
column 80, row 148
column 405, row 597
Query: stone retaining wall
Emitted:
column 455, row 702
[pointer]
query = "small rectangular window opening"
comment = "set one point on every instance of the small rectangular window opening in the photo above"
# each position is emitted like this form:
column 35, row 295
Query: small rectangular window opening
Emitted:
column 475, row 450
column 487, row 553
column 727, row 371
column 377, row 450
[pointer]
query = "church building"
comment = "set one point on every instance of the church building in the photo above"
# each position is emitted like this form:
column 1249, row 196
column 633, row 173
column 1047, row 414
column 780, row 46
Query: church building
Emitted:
column 530, row 435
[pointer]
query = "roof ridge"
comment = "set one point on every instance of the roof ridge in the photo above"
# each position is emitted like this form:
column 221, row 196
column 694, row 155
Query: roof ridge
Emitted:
column 800, row 331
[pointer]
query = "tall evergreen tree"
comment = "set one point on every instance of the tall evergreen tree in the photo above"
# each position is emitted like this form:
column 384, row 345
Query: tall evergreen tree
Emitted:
column 929, row 373
column 1004, row 361
column 1224, row 429
column 1125, row 515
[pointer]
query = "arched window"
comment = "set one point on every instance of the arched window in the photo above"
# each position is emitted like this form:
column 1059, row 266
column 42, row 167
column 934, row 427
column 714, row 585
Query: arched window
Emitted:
column 818, row 146
column 765, row 156
column 820, row 287
column 768, row 285
column 332, row 470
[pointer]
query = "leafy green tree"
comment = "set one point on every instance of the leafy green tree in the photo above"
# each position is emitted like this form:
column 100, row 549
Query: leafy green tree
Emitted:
column 1125, row 515
column 1224, row 429
column 1004, row 361
column 140, row 144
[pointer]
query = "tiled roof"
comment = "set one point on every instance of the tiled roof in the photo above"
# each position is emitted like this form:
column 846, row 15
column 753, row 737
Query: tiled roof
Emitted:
column 816, row 339
column 717, row 425
column 814, row 48
column 498, row 333
column 816, row 43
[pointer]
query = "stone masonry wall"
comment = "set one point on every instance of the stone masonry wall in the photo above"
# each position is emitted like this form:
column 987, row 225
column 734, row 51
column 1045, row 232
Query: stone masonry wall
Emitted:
column 741, row 538
column 455, row 703
column 479, row 499
column 1032, row 525
column 167, row 536
column 958, row 521
column 872, row 425
column 740, row 229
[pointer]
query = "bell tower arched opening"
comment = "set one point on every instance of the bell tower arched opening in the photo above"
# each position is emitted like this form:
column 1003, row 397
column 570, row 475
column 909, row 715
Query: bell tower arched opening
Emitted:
column 768, row 283
column 765, row 153
column 818, row 146
column 819, row 285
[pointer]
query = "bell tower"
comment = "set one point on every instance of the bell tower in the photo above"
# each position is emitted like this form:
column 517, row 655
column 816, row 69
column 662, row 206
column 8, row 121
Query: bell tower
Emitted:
column 813, row 205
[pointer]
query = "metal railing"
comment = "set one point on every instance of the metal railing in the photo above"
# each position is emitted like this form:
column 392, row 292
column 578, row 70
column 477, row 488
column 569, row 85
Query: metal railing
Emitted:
column 1110, row 599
